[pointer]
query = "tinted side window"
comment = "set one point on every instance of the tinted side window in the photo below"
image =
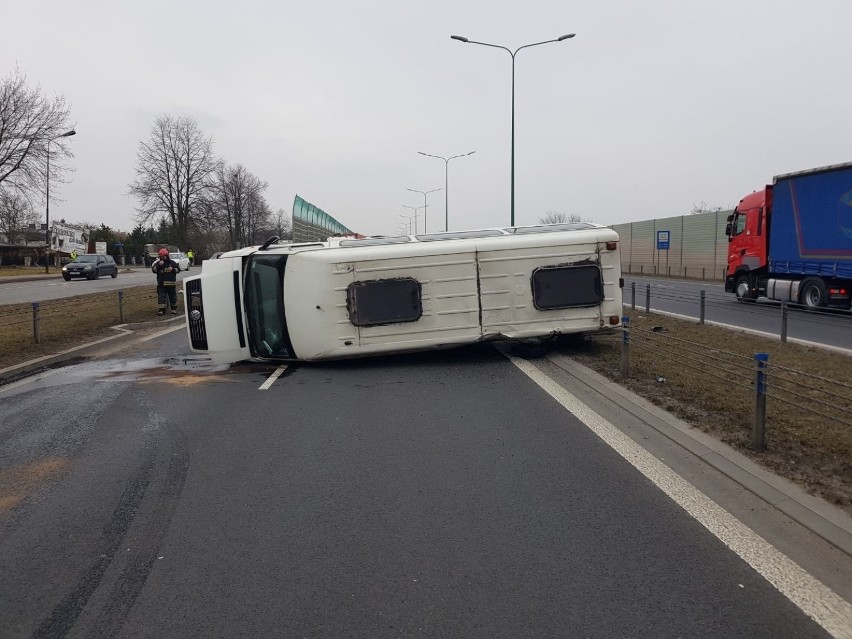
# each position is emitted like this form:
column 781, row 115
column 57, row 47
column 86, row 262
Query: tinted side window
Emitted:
column 377, row 302
column 567, row 286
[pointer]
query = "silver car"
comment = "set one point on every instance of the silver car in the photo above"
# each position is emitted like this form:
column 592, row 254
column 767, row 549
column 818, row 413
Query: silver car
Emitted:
column 181, row 259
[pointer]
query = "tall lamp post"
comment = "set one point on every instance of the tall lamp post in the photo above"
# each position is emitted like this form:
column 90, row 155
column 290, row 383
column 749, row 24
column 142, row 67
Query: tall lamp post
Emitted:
column 512, row 53
column 446, row 181
column 412, row 217
column 425, row 193
column 47, row 203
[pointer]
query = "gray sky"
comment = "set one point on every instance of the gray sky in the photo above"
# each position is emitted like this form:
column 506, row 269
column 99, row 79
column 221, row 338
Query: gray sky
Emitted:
column 653, row 107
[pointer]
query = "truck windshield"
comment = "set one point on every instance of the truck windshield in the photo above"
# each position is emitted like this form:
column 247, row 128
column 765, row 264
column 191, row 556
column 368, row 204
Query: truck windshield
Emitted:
column 267, row 326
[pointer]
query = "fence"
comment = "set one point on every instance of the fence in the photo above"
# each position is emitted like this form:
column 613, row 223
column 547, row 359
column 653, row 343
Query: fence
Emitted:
column 32, row 329
column 801, row 399
column 311, row 224
column 698, row 246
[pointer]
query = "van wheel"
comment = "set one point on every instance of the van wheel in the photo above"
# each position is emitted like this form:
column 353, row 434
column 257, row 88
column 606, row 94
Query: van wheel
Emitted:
column 813, row 293
column 742, row 288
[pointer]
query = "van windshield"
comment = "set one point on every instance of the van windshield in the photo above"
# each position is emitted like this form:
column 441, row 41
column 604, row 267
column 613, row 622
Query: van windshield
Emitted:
column 264, row 299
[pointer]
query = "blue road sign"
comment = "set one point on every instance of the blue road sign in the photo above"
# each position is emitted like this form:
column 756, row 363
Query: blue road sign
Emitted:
column 663, row 238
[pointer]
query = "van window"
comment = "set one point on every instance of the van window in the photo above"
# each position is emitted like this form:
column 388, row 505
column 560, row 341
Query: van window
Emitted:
column 567, row 286
column 378, row 302
column 264, row 304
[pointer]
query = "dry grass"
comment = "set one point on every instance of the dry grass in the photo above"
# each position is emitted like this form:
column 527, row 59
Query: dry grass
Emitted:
column 705, row 375
column 70, row 321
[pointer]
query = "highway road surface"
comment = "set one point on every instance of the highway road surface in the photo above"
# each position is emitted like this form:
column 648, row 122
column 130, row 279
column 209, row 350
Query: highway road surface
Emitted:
column 455, row 494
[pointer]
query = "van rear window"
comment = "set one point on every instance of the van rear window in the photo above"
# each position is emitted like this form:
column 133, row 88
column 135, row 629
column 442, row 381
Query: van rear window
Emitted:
column 377, row 302
column 567, row 286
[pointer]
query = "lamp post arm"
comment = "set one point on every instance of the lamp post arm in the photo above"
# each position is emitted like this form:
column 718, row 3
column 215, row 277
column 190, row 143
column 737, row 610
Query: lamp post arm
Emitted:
column 534, row 44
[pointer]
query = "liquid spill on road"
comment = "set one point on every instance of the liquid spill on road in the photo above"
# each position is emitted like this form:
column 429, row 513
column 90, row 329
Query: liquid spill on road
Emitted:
column 21, row 481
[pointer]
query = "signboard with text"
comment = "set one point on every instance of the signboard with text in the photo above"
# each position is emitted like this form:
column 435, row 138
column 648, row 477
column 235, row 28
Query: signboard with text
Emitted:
column 663, row 240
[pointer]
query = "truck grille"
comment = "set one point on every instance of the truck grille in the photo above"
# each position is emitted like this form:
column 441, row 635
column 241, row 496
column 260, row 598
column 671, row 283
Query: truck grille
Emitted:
column 195, row 315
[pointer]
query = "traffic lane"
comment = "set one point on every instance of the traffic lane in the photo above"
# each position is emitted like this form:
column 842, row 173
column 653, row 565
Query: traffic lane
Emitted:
column 56, row 288
column 414, row 494
column 683, row 297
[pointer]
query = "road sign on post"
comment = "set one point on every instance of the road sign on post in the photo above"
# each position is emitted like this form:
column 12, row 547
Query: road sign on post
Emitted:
column 663, row 239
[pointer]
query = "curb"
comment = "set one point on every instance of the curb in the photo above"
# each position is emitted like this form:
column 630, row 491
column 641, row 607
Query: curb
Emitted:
column 813, row 513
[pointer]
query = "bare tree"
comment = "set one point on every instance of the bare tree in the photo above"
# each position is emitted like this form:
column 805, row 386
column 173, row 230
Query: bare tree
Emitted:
column 555, row 217
column 236, row 202
column 29, row 121
column 701, row 207
column 16, row 214
column 282, row 225
column 172, row 171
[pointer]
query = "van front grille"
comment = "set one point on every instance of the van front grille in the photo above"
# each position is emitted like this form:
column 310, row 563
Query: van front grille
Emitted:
column 195, row 315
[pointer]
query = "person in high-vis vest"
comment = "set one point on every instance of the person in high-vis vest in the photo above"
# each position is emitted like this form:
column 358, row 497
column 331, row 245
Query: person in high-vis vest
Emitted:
column 73, row 254
column 166, row 270
column 191, row 256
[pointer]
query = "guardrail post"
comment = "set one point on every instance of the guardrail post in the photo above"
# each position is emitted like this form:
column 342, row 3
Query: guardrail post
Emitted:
column 784, row 309
column 702, row 272
column 121, row 306
column 703, row 299
column 633, row 294
column 36, row 322
column 625, row 347
column 758, row 431
column 684, row 273
column 648, row 298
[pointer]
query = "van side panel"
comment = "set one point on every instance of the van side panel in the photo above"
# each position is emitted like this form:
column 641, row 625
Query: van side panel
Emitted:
column 505, row 272
column 315, row 299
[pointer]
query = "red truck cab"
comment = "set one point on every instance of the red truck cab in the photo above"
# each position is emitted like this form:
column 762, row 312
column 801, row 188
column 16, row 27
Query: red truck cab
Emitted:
column 748, row 235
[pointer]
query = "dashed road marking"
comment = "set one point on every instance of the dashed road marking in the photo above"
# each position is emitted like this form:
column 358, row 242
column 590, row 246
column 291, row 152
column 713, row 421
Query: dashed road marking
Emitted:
column 269, row 382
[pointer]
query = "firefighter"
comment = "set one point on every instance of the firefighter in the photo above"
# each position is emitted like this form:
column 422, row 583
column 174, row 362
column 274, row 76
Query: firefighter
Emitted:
column 166, row 270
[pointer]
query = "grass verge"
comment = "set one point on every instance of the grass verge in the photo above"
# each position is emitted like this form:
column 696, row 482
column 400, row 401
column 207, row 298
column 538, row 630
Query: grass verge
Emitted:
column 705, row 376
column 70, row 321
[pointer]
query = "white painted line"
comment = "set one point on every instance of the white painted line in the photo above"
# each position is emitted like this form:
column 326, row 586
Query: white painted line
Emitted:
column 812, row 597
column 269, row 382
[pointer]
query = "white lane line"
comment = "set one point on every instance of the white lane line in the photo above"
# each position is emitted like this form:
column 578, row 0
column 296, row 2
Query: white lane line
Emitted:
column 269, row 382
column 812, row 597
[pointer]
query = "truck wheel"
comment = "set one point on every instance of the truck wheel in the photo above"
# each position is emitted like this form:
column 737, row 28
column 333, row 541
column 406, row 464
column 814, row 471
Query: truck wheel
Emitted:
column 742, row 288
column 813, row 293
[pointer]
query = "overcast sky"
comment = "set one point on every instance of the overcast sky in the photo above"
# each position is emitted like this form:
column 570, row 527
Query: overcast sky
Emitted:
column 653, row 107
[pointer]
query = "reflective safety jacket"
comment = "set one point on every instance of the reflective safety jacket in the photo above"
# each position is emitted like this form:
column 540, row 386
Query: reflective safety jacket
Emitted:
column 166, row 272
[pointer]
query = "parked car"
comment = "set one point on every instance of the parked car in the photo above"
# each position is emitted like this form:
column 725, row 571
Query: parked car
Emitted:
column 91, row 266
column 181, row 259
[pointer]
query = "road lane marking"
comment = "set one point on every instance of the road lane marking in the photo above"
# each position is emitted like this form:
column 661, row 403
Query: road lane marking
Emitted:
column 811, row 596
column 269, row 382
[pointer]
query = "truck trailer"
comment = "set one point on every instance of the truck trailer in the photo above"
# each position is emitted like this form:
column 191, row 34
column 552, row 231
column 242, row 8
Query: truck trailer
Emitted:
column 354, row 297
column 792, row 240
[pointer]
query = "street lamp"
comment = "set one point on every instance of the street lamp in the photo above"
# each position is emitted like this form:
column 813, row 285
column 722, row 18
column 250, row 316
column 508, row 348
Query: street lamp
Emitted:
column 425, row 193
column 412, row 217
column 513, row 53
column 446, row 181
column 47, row 203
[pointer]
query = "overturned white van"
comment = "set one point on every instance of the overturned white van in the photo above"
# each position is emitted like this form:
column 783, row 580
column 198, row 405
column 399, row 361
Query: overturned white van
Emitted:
column 356, row 297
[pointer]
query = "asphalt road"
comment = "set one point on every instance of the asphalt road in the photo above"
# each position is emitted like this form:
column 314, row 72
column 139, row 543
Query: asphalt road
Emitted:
column 14, row 291
column 438, row 495
column 832, row 328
